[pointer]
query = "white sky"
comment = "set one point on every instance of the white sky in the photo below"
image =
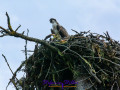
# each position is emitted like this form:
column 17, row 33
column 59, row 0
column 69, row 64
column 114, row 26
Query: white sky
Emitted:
column 82, row 15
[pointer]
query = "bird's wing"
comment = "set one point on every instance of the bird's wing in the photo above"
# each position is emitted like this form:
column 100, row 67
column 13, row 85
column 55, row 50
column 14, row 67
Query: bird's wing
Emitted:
column 62, row 31
column 52, row 31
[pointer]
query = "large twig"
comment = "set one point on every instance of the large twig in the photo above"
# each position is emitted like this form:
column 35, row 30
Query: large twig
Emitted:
column 14, row 74
column 11, row 80
column 26, row 46
column 11, row 32
column 7, row 64
column 104, row 59
column 30, row 39
column 8, row 21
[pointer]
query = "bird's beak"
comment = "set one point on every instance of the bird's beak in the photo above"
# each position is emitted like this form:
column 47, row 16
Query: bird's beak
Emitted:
column 50, row 20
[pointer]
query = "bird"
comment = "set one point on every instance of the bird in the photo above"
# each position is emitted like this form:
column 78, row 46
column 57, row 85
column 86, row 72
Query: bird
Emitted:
column 58, row 30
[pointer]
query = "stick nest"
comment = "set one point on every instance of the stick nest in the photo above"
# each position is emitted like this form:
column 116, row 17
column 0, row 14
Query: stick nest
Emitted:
column 85, row 54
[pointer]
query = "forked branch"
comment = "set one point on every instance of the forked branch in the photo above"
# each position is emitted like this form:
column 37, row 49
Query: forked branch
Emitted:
column 14, row 33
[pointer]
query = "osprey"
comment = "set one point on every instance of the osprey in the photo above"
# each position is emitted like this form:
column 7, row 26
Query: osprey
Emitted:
column 58, row 29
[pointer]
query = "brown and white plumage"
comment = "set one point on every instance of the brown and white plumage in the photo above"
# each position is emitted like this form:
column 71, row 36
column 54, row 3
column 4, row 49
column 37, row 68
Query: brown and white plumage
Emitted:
column 58, row 29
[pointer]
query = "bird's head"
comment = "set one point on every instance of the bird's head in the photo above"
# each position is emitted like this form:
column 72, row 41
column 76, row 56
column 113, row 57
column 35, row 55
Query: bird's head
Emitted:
column 53, row 21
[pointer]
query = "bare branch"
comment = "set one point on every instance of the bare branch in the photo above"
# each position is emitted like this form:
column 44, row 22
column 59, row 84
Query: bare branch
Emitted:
column 26, row 46
column 11, row 80
column 3, row 35
column 27, row 50
column 9, row 25
column 16, row 34
column 18, row 28
column 14, row 74
column 7, row 63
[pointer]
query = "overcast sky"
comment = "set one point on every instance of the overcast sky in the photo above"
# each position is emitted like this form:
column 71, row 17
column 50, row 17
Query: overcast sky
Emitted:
column 82, row 15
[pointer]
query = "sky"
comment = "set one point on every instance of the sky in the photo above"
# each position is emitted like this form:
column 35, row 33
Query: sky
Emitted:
column 82, row 15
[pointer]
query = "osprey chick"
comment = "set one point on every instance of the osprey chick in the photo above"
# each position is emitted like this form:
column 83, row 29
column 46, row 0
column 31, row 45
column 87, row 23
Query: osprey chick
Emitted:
column 58, row 29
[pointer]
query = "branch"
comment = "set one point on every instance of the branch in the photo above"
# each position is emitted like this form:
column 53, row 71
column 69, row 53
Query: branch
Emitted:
column 14, row 74
column 11, row 80
column 9, row 25
column 3, row 35
column 12, row 32
column 18, row 28
column 7, row 63
column 105, row 60
column 26, row 46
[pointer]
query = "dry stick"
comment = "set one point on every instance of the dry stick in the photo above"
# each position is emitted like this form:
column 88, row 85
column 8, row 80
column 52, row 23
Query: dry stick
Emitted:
column 11, row 72
column 11, row 32
column 30, row 39
column 13, row 84
column 14, row 74
column 114, row 84
column 49, row 68
column 7, row 63
column 101, row 69
column 18, row 28
column 105, row 59
column 25, row 50
column 41, row 69
column 75, row 31
column 3, row 35
column 8, row 21
column 26, row 46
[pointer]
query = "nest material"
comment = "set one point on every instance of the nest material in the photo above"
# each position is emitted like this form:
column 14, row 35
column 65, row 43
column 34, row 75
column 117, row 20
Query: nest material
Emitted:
column 94, row 56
